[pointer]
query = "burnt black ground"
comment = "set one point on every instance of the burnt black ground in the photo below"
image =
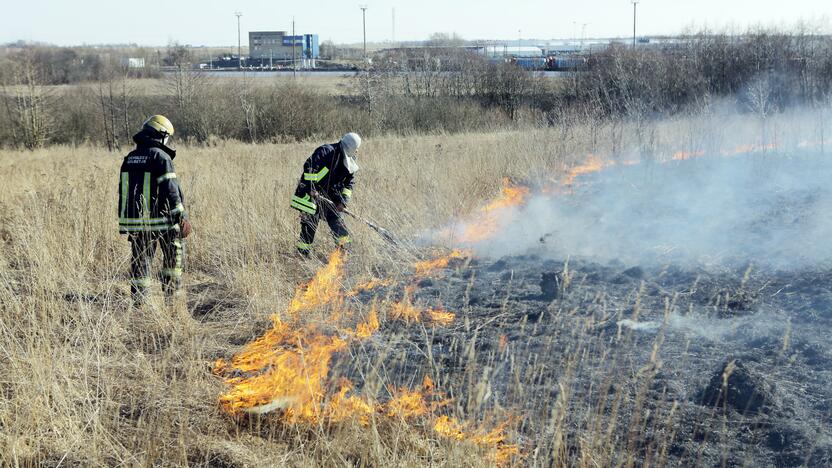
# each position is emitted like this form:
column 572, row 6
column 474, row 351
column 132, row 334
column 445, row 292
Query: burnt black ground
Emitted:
column 699, row 334
column 579, row 356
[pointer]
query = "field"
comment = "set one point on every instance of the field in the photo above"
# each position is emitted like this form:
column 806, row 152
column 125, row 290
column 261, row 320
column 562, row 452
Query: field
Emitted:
column 79, row 363
column 546, row 360
column 332, row 84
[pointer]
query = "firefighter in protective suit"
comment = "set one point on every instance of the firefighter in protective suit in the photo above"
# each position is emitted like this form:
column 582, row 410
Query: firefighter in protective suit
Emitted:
column 324, row 189
column 151, row 209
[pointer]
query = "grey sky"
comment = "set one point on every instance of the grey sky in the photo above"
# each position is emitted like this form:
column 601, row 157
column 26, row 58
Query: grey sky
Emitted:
column 212, row 22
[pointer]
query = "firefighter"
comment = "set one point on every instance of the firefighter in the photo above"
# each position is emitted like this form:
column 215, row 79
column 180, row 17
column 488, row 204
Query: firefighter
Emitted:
column 324, row 189
column 151, row 209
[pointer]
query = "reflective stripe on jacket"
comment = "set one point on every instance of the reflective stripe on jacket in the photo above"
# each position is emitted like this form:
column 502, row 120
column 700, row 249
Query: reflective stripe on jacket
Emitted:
column 150, row 198
column 325, row 173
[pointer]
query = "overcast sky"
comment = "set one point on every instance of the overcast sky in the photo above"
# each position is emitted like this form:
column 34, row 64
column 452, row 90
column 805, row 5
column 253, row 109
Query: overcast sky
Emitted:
column 212, row 22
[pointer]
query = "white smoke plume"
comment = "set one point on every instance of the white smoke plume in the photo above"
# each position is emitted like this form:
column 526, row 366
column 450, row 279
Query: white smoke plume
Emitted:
column 769, row 205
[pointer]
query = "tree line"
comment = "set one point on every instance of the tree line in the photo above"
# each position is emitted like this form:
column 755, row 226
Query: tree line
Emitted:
column 438, row 89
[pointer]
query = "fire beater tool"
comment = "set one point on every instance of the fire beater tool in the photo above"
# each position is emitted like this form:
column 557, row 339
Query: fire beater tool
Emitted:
column 384, row 233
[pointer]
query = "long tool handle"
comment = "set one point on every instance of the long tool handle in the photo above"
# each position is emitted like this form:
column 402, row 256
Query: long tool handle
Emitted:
column 384, row 233
column 380, row 230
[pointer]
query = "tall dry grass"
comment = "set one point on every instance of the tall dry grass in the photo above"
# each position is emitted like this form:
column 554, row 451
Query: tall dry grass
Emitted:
column 87, row 380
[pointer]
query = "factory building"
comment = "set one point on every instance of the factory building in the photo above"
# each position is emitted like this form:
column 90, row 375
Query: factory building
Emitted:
column 506, row 50
column 277, row 46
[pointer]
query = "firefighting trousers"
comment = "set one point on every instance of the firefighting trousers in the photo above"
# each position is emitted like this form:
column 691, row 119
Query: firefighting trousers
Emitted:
column 143, row 247
column 309, row 225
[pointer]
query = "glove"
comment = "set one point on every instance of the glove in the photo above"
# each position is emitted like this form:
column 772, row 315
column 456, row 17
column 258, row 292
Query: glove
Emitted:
column 185, row 228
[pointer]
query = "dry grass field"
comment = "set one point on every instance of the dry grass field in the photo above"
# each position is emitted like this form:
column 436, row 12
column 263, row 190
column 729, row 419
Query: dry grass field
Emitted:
column 332, row 84
column 88, row 380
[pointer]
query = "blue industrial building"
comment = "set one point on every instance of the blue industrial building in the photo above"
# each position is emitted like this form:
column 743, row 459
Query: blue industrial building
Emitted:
column 278, row 46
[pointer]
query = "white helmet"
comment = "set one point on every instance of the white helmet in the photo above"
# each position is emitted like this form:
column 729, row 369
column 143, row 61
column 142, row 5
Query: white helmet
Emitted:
column 350, row 143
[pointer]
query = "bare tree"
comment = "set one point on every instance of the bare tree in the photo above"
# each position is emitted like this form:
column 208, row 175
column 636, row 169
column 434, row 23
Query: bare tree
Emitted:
column 759, row 96
column 27, row 102
column 249, row 107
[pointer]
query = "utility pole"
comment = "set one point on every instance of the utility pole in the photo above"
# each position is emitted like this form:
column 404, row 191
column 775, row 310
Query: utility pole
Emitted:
column 394, row 26
column 635, row 4
column 366, row 63
column 364, row 23
column 239, row 43
column 294, row 43
column 583, row 35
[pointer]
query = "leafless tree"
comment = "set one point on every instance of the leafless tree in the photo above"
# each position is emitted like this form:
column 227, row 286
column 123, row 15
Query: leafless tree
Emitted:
column 115, row 95
column 28, row 102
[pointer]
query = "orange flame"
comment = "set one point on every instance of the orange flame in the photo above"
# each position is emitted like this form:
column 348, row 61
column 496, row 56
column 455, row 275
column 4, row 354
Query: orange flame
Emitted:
column 426, row 267
column 406, row 311
column 407, row 404
column 510, row 195
column 491, row 214
column 496, row 438
column 441, row 316
column 370, row 285
column 324, row 288
column 685, row 155
column 298, row 364
column 749, row 148
column 449, row 427
column 288, row 367
column 343, row 407
column 291, row 363
column 592, row 164
column 366, row 329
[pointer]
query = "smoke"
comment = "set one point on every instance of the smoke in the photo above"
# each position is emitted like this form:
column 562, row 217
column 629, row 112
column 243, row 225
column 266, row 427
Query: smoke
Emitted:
column 715, row 329
column 767, row 205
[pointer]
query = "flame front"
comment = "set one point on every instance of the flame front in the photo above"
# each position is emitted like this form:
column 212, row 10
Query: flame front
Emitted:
column 495, row 438
column 324, row 288
column 370, row 285
column 294, row 379
column 592, row 164
column 492, row 216
column 288, row 367
column 426, row 267
column 405, row 310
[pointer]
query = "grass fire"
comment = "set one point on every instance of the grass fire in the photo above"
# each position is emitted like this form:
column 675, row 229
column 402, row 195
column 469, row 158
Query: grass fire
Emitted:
column 507, row 252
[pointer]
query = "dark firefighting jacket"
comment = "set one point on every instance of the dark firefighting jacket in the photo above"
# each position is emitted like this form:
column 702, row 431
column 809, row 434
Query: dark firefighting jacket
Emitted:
column 149, row 195
column 326, row 174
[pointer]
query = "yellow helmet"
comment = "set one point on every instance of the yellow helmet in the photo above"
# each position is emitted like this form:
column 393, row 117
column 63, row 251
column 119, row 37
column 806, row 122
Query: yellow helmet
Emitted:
column 160, row 123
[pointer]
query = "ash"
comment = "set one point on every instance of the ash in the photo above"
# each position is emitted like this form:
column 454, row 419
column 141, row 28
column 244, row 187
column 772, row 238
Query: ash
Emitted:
column 674, row 313
column 662, row 364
